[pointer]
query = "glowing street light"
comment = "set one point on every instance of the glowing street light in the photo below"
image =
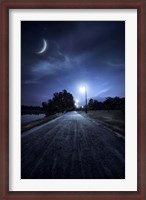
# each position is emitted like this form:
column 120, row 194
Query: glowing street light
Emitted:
column 76, row 103
column 83, row 89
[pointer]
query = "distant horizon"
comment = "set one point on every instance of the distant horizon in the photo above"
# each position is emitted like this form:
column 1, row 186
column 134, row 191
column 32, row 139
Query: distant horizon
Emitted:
column 100, row 99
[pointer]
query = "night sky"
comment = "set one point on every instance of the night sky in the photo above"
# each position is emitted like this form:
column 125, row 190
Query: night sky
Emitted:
column 77, row 53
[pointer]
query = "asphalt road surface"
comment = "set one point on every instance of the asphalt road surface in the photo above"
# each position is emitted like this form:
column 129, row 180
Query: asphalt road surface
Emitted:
column 72, row 147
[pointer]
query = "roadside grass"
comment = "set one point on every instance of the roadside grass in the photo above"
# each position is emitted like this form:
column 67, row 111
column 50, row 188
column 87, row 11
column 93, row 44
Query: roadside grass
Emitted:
column 29, row 125
column 112, row 119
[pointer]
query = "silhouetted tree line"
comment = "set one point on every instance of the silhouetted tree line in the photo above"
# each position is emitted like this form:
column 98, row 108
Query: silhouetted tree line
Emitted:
column 61, row 102
column 31, row 110
column 115, row 103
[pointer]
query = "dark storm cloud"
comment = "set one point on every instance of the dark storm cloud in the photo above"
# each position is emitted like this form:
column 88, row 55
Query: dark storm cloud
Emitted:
column 77, row 53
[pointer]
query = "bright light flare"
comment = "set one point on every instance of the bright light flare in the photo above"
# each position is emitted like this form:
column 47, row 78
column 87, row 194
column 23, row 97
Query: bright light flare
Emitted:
column 76, row 103
column 82, row 89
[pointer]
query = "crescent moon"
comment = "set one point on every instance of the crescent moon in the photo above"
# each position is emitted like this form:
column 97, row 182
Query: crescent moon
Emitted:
column 44, row 47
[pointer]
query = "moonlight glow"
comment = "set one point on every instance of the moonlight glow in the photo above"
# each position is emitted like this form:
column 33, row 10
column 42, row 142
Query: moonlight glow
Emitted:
column 44, row 47
column 72, row 53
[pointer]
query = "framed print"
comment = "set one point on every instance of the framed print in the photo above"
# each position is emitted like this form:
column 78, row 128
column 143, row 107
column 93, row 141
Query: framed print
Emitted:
column 72, row 99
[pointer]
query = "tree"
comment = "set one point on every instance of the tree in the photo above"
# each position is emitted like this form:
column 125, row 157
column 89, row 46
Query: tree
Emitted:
column 45, row 107
column 61, row 102
column 91, row 104
column 95, row 105
column 108, row 103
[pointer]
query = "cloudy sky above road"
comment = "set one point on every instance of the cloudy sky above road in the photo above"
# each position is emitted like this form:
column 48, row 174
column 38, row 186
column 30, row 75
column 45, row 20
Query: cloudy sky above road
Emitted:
column 67, row 55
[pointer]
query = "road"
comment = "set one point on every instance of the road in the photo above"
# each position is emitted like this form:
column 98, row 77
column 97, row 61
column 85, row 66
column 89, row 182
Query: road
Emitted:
column 72, row 147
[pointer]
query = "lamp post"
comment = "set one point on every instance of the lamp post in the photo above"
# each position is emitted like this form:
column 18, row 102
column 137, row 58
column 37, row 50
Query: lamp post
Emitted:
column 84, row 89
column 86, row 100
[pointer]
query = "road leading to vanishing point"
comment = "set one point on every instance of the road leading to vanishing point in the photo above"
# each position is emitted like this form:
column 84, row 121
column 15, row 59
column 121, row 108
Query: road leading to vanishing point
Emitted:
column 72, row 147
